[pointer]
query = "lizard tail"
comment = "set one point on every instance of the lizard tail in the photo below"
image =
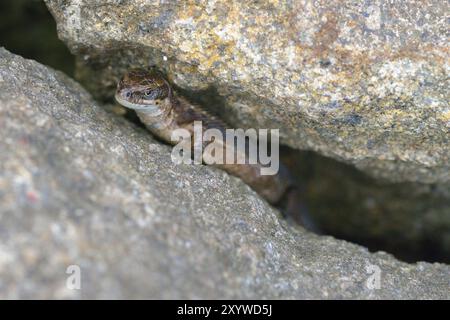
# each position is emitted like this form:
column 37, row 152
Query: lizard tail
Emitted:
column 294, row 209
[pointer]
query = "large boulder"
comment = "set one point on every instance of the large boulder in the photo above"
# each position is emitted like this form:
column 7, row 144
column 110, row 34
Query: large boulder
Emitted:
column 360, row 81
column 81, row 186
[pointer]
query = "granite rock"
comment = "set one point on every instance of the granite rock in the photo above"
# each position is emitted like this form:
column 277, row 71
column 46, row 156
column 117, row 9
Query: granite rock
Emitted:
column 81, row 186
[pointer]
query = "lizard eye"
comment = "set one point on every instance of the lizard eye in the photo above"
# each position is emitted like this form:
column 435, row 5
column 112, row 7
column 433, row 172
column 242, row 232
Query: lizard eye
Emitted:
column 147, row 93
column 128, row 94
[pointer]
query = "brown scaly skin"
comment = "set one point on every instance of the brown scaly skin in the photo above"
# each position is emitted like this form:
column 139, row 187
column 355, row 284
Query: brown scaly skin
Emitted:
column 163, row 111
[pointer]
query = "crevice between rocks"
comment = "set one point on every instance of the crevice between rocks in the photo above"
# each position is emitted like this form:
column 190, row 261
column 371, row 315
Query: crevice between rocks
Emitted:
column 408, row 220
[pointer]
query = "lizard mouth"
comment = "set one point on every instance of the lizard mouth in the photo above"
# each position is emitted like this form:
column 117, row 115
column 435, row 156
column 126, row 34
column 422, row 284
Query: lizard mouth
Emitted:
column 143, row 106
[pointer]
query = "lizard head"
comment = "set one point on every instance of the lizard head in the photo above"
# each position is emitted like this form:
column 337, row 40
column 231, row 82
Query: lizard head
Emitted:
column 143, row 90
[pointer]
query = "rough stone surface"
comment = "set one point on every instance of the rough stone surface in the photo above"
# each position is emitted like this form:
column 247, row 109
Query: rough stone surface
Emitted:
column 364, row 82
column 80, row 186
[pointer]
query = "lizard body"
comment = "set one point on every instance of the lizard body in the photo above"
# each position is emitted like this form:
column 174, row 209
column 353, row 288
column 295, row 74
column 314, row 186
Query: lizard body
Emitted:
column 162, row 111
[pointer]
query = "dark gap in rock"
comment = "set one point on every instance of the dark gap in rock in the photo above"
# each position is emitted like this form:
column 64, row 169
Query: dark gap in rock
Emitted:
column 408, row 220
column 36, row 38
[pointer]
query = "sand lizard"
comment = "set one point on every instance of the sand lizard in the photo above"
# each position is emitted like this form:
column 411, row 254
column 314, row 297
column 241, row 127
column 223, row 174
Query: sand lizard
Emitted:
column 162, row 110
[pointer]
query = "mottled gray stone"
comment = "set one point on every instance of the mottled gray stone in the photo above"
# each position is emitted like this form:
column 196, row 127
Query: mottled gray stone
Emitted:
column 365, row 82
column 81, row 186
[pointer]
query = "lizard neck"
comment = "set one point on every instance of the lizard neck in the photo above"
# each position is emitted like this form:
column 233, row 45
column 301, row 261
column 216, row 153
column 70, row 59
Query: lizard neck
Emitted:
column 160, row 121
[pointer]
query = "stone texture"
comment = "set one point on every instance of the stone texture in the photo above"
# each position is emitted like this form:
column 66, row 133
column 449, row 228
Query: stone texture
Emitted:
column 365, row 82
column 79, row 185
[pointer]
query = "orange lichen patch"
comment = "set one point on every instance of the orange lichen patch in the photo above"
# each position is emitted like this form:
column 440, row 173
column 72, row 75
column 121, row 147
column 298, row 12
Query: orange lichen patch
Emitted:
column 211, row 59
column 327, row 34
column 415, row 52
column 352, row 23
column 445, row 116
